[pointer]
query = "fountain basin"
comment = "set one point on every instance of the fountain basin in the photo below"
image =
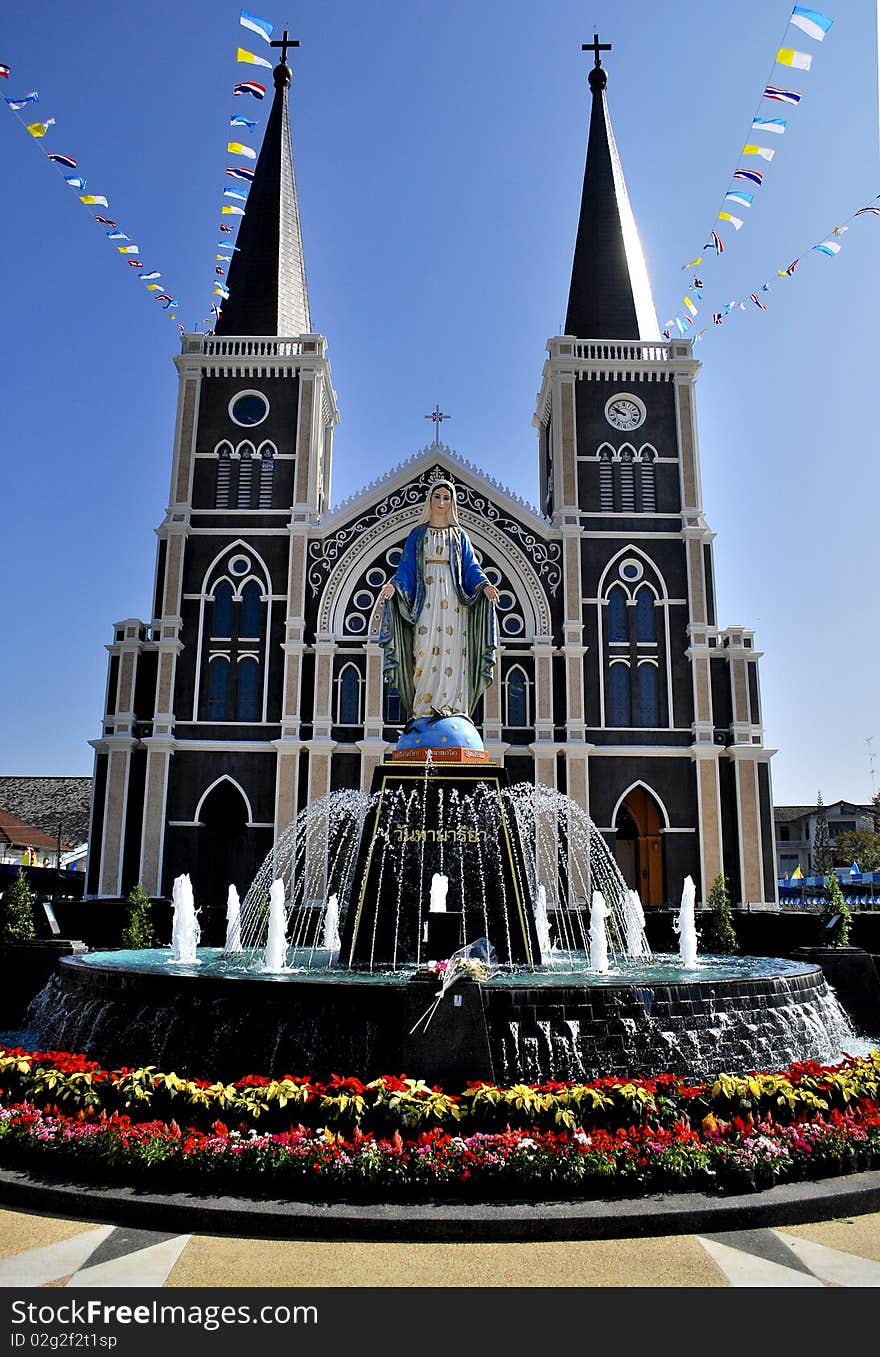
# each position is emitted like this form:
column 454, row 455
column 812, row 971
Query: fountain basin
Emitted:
column 218, row 1017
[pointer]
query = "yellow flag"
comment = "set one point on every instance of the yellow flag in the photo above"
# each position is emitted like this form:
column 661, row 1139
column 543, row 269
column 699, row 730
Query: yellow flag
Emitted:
column 797, row 874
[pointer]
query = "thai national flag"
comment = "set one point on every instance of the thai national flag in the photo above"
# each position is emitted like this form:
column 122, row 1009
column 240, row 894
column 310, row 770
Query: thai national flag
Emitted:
column 250, row 87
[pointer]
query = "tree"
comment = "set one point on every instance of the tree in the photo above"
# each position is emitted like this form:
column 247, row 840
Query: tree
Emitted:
column 858, row 845
column 138, row 932
column 823, row 855
column 718, row 934
column 875, row 812
column 17, row 912
column 834, row 905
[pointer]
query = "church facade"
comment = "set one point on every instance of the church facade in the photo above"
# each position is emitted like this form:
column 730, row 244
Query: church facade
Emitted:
column 256, row 686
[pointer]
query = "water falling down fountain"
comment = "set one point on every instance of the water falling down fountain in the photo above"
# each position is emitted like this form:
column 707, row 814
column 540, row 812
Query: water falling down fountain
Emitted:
column 516, row 867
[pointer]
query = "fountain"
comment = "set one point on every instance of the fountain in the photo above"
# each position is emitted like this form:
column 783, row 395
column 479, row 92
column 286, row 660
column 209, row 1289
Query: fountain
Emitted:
column 185, row 929
column 685, row 925
column 233, row 922
column 363, row 892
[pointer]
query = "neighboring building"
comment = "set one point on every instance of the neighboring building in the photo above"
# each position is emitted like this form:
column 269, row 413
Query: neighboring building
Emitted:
column 796, row 830
column 256, row 684
column 26, row 845
column 52, row 808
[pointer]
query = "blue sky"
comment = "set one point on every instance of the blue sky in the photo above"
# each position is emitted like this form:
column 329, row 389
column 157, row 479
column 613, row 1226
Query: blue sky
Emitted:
column 439, row 153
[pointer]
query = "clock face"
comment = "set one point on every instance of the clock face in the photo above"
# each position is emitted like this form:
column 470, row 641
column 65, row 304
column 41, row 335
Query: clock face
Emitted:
column 624, row 412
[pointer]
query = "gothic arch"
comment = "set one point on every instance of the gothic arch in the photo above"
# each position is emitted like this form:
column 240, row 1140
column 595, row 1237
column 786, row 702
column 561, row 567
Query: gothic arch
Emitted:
column 638, row 845
column 391, row 532
column 257, row 573
column 650, row 790
column 224, row 777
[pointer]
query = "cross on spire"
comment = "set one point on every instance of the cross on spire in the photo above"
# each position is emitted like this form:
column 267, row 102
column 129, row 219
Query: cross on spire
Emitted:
column 437, row 416
column 596, row 47
column 284, row 43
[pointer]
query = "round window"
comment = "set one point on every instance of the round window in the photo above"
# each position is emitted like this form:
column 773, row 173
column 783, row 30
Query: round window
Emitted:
column 631, row 570
column 355, row 623
column 376, row 577
column 512, row 625
column 363, row 599
column 248, row 408
column 239, row 565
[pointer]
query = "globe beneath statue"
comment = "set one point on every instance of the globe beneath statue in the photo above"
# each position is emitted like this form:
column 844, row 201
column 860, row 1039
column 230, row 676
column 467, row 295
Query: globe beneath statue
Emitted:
column 447, row 739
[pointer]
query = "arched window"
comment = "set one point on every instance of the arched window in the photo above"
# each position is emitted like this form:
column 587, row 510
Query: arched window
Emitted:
column 606, row 481
column 245, row 479
column 517, row 687
column 267, row 467
column 646, row 616
column 627, row 482
column 617, row 629
column 251, row 611
column 392, row 706
column 224, row 473
column 349, row 705
column 618, row 683
column 247, row 697
column 221, row 618
column 647, row 483
column 218, row 688
column 649, row 695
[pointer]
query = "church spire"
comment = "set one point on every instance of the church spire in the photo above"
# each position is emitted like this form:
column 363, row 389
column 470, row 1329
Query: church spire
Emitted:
column 610, row 294
column 268, row 294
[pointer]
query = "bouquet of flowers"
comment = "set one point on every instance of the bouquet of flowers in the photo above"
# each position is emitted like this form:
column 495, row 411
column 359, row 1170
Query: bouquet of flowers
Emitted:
column 475, row 961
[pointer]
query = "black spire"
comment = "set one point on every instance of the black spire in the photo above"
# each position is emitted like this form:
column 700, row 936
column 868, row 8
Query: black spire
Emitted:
column 267, row 287
column 610, row 295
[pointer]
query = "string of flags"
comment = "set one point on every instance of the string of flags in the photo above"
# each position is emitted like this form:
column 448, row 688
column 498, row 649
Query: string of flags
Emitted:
column 830, row 246
column 239, row 153
column 68, row 168
column 766, row 126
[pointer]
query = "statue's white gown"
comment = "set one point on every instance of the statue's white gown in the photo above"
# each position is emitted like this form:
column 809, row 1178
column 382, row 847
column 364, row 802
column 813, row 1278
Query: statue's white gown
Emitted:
column 440, row 643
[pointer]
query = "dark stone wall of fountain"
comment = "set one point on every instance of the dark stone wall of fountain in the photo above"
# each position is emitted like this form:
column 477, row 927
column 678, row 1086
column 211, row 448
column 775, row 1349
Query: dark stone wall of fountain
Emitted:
column 509, row 1032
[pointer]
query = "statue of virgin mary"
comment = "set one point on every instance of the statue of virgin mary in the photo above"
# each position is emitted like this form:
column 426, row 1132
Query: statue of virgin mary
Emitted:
column 439, row 630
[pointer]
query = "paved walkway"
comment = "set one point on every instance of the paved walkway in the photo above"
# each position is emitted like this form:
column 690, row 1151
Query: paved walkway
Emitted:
column 38, row 1250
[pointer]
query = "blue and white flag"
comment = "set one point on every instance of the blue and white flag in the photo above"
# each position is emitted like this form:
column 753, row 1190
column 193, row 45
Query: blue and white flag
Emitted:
column 811, row 22
column 261, row 27
column 775, row 125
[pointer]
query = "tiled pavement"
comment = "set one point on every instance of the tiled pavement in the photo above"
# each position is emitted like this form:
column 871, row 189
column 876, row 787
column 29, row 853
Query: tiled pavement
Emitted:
column 46, row 1251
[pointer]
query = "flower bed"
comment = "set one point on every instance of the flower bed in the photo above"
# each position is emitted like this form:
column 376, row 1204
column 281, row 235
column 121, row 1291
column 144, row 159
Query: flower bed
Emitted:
column 398, row 1137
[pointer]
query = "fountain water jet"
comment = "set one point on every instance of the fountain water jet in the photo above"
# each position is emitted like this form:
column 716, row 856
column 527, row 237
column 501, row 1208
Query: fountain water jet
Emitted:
column 685, row 925
column 233, row 922
column 599, row 912
column 185, row 928
column 331, row 924
column 275, row 958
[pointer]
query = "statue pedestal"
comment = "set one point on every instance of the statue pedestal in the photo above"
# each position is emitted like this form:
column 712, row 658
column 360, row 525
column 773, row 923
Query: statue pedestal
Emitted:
column 453, row 820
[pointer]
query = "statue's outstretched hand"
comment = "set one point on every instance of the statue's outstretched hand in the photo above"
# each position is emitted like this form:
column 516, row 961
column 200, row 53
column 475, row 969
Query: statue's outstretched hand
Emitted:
column 491, row 593
column 386, row 592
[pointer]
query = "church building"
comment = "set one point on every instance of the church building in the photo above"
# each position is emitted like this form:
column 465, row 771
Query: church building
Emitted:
column 256, row 685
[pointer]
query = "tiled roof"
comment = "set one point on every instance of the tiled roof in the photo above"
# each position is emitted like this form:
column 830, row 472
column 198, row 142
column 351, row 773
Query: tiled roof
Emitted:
column 784, row 814
column 44, row 802
column 18, row 834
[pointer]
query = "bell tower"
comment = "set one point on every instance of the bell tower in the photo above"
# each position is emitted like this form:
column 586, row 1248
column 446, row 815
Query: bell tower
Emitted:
column 649, row 678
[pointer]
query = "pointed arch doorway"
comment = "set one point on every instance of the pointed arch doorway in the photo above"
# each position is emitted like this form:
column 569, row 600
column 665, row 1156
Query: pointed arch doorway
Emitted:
column 224, row 855
column 638, row 845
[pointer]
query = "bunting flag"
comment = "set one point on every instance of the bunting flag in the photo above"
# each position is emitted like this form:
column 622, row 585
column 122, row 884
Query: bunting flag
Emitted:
column 66, row 160
column 744, row 199
column 261, row 27
column 40, row 129
column 714, row 243
column 698, row 282
column 4, row 72
column 94, row 200
column 238, row 148
column 751, row 176
column 225, row 228
column 150, row 276
column 128, row 249
column 736, row 222
column 105, row 221
column 775, row 125
column 134, row 263
column 251, row 59
column 237, row 121
column 782, row 96
column 232, row 212
column 717, row 318
column 153, row 287
column 32, row 98
column 753, row 297
column 181, row 328
column 875, row 211
column 250, row 87
column 75, row 181
column 234, row 193
column 220, row 291
column 219, row 271
column 811, row 22
column 117, row 235
column 829, row 247
column 240, row 172
column 791, row 268
column 800, row 61
column 215, row 310
column 689, row 306
column 764, row 152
